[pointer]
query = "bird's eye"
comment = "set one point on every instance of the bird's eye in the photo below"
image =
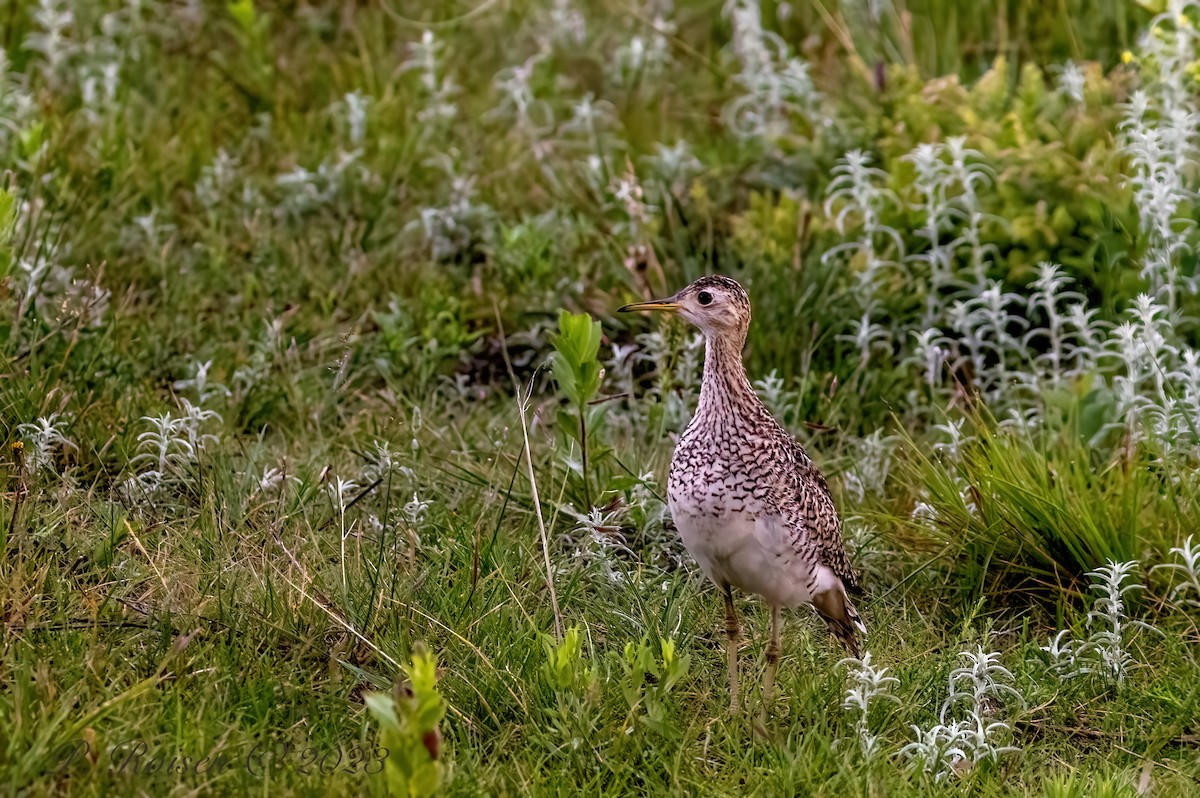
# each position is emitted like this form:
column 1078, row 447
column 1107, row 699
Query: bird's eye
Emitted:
column 704, row 298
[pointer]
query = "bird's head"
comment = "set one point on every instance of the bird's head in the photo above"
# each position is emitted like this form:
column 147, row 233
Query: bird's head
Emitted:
column 717, row 305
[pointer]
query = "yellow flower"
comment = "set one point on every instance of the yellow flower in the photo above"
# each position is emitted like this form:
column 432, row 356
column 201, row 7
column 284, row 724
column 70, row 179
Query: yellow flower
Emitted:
column 1126, row 57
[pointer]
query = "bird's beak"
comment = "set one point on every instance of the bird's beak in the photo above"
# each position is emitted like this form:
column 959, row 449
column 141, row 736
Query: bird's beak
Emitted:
column 669, row 305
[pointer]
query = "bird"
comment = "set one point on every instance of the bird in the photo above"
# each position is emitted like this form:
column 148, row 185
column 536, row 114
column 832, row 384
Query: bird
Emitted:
column 748, row 502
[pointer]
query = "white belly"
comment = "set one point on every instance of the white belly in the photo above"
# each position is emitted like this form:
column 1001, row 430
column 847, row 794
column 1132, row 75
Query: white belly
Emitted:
column 731, row 551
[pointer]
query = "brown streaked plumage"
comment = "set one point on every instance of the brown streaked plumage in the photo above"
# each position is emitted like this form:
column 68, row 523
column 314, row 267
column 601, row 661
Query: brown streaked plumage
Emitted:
column 749, row 504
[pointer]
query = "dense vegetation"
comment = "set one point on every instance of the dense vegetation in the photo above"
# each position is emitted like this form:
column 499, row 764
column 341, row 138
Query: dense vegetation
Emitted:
column 310, row 448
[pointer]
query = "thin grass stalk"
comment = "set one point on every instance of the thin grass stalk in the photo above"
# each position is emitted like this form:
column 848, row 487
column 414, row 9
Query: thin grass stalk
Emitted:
column 522, row 406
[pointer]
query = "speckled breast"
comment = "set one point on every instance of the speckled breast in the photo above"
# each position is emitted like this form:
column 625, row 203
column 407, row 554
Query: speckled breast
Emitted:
column 711, row 476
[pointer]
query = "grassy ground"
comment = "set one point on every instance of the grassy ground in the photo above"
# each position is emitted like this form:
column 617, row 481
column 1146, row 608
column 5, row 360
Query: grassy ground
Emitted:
column 279, row 281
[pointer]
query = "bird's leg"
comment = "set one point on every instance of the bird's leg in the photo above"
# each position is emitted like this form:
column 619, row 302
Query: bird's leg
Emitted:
column 773, row 651
column 731, row 646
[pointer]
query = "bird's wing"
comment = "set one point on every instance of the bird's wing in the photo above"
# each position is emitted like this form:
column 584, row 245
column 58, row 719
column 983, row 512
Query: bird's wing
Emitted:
column 829, row 598
column 818, row 519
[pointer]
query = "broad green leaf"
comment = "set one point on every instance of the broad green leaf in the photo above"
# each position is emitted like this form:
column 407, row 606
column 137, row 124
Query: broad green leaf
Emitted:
column 244, row 14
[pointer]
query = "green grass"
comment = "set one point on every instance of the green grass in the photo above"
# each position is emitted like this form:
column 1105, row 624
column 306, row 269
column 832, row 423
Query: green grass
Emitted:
column 220, row 620
column 94, row 649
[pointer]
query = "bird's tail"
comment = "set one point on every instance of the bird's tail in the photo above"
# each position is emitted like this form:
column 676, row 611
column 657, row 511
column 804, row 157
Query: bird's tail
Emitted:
column 843, row 620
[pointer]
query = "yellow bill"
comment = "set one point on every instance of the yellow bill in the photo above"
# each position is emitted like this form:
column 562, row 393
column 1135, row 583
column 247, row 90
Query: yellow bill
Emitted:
column 667, row 304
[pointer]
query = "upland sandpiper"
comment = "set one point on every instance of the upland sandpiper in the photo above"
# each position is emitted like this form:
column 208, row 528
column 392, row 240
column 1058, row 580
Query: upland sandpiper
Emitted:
column 749, row 504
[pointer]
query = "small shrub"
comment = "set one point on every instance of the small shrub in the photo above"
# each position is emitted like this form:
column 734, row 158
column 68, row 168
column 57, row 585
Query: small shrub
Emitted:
column 409, row 721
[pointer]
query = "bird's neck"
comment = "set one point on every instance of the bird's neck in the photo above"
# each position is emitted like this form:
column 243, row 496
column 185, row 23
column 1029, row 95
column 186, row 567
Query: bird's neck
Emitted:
column 725, row 388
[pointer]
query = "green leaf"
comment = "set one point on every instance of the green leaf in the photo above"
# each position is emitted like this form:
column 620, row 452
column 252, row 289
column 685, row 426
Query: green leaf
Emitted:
column 383, row 708
column 244, row 14
column 408, row 728
column 31, row 139
column 564, row 375
column 576, row 366
column 568, row 423
column 7, row 217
